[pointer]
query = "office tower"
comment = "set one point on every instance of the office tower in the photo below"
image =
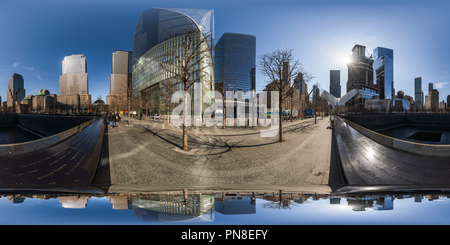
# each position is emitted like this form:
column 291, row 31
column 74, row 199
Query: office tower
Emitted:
column 384, row 72
column 418, row 94
column 119, row 80
column 360, row 76
column 430, row 87
column 236, row 59
column 73, row 84
column 335, row 83
column 159, row 32
column 448, row 101
column 433, row 97
column 316, row 92
column 16, row 90
column 301, row 84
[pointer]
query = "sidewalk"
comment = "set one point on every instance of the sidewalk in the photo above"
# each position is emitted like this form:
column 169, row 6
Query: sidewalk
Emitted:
column 217, row 131
column 139, row 157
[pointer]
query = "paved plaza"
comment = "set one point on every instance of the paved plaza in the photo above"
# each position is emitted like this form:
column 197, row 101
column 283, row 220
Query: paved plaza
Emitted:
column 147, row 154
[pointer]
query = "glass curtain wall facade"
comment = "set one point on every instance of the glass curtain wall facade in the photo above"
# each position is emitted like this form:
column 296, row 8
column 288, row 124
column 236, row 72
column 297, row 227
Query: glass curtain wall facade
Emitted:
column 418, row 93
column 335, row 83
column 236, row 58
column 360, row 76
column 159, row 32
column 384, row 72
column 16, row 90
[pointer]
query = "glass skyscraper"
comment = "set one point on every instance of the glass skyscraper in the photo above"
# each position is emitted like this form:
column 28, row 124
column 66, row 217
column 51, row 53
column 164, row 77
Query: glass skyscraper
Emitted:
column 335, row 83
column 360, row 76
column 383, row 66
column 236, row 58
column 16, row 91
column 418, row 94
column 73, row 84
column 158, row 32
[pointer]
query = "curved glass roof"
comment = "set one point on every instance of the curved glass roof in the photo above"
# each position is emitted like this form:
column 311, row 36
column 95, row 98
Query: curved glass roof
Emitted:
column 155, row 25
column 199, row 16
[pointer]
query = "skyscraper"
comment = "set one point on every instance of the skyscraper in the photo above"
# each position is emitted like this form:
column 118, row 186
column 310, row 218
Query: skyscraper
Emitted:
column 301, row 84
column 418, row 94
column 73, row 84
column 360, row 76
column 434, row 100
column 159, row 32
column 384, row 72
column 16, row 90
column 430, row 87
column 335, row 83
column 448, row 101
column 120, row 77
column 236, row 58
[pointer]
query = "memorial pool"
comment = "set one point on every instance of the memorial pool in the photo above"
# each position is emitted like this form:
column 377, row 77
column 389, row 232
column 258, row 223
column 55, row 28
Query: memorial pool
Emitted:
column 13, row 134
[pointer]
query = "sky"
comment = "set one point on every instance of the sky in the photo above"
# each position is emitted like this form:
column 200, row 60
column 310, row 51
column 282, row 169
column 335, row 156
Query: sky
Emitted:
column 36, row 35
column 98, row 211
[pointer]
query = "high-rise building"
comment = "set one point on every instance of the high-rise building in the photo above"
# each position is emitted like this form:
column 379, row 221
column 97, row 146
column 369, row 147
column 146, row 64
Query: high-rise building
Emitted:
column 360, row 76
column 73, row 84
column 433, row 97
column 301, row 84
column 418, row 94
column 384, row 72
column 448, row 101
column 400, row 94
column 430, row 87
column 335, row 83
column 119, row 80
column 235, row 58
column 16, row 90
column 159, row 32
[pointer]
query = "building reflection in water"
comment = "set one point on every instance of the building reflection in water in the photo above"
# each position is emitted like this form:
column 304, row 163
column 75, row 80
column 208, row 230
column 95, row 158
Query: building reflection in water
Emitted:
column 200, row 207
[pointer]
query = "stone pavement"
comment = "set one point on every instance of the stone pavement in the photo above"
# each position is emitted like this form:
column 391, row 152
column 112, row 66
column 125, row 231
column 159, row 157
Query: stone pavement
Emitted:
column 146, row 155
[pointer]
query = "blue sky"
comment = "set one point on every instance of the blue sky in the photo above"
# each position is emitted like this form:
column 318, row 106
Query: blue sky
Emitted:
column 36, row 35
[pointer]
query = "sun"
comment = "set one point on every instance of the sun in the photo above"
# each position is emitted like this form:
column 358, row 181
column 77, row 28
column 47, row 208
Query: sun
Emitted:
column 347, row 59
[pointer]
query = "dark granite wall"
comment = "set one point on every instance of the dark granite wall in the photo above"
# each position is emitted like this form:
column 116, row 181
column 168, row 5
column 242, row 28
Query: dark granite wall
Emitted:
column 45, row 125
column 376, row 122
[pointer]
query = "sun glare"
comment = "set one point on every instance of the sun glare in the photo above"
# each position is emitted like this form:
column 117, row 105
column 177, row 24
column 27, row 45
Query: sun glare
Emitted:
column 346, row 59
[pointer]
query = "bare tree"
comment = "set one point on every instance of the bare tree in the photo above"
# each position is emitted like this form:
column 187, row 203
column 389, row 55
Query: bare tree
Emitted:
column 189, row 62
column 168, row 89
column 223, row 84
column 281, row 67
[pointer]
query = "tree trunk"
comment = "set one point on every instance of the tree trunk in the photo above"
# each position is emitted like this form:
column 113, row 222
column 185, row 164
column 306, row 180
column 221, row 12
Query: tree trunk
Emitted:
column 168, row 121
column 280, row 112
column 315, row 113
column 185, row 147
column 223, row 112
column 185, row 118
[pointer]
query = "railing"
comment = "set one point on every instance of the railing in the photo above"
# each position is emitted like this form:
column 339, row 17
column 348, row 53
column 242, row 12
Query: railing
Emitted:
column 30, row 146
column 432, row 150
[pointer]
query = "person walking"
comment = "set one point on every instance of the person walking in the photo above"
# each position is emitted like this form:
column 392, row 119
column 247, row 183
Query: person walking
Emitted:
column 110, row 119
column 115, row 119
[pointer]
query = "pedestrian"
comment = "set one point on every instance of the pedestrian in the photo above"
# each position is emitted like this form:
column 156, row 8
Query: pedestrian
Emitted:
column 110, row 119
column 116, row 119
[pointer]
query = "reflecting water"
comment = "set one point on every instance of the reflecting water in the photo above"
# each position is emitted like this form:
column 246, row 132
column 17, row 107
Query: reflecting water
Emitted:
column 407, row 132
column 228, row 209
column 12, row 134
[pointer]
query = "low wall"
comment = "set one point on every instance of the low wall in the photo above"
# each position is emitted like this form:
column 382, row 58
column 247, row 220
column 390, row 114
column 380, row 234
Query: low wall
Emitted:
column 429, row 150
column 8, row 119
column 377, row 122
column 47, row 125
column 64, row 126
